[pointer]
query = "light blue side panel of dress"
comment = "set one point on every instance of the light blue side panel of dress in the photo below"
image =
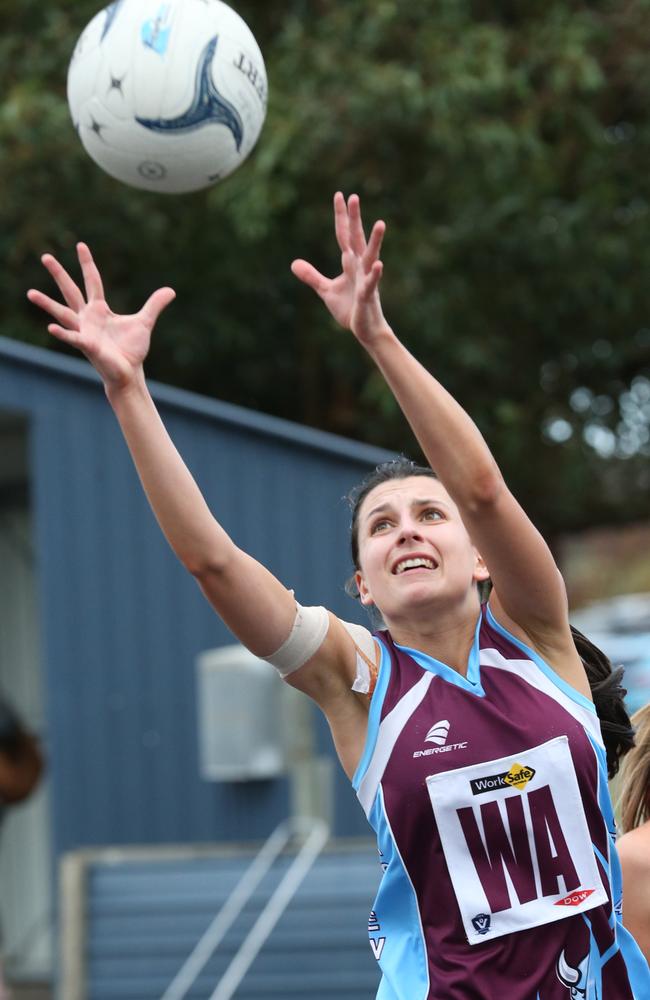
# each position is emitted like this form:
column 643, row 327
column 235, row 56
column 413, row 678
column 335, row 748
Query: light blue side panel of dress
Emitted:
column 635, row 963
column 374, row 715
column 397, row 934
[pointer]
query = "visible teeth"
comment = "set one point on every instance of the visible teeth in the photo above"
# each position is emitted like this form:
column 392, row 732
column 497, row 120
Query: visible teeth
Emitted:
column 414, row 564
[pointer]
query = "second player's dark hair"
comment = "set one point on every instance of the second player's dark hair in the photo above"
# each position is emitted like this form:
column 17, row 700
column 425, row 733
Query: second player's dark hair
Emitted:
column 12, row 732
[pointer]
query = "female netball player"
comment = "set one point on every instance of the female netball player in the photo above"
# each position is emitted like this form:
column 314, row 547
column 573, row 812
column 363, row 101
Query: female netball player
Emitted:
column 478, row 758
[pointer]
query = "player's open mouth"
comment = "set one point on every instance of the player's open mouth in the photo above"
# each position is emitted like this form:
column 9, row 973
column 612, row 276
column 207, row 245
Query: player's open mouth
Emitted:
column 411, row 563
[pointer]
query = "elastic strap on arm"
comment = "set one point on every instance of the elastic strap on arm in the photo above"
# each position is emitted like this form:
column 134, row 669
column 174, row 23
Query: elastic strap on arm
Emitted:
column 306, row 637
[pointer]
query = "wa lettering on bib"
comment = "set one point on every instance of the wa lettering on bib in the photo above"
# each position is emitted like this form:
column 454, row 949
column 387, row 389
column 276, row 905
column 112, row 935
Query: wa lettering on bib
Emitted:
column 516, row 841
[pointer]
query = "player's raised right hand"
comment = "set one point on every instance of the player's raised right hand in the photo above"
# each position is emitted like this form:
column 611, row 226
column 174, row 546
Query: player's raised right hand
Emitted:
column 115, row 345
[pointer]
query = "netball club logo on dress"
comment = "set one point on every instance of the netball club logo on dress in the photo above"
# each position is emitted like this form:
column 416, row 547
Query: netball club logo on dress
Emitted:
column 439, row 734
column 517, row 777
column 482, row 923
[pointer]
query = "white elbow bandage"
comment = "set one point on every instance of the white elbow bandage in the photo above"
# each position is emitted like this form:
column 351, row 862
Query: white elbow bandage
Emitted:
column 310, row 628
column 306, row 637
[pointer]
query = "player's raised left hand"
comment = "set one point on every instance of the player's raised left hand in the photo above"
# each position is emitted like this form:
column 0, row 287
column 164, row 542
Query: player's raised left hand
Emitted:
column 353, row 297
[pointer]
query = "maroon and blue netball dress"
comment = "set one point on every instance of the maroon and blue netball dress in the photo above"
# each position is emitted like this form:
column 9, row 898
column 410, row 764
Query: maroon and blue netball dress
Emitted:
column 488, row 794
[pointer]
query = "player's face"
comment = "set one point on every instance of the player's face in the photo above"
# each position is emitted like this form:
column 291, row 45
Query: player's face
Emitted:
column 414, row 548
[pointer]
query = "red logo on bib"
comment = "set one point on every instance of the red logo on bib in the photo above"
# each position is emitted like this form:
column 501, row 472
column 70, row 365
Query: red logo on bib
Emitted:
column 575, row 898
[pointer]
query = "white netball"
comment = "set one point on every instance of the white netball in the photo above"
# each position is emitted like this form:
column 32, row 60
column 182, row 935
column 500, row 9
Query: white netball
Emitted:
column 167, row 96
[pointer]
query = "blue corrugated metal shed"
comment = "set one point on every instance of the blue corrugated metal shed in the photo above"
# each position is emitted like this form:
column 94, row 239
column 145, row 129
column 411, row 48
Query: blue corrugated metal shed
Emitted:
column 146, row 914
column 121, row 621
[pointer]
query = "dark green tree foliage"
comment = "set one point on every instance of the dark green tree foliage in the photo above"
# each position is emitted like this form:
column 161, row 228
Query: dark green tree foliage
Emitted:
column 508, row 147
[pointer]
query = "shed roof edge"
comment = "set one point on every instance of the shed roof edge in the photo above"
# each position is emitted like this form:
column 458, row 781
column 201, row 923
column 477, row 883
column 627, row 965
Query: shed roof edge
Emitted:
column 203, row 406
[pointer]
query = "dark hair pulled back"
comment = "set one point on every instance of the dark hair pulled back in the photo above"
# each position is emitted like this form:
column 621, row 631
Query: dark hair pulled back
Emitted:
column 608, row 694
column 13, row 734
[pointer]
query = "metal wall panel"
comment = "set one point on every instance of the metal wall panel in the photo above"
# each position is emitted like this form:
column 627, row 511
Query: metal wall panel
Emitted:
column 144, row 915
column 121, row 621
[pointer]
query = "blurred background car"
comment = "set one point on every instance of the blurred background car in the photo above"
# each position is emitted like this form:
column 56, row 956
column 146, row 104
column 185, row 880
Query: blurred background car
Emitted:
column 620, row 626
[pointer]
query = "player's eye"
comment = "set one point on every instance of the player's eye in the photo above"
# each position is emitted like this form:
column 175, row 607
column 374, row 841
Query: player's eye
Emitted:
column 379, row 526
column 432, row 514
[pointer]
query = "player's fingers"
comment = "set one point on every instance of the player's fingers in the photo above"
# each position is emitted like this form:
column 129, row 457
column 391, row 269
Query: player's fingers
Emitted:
column 71, row 337
column 92, row 278
column 349, row 265
column 341, row 222
column 69, row 290
column 371, row 282
column 374, row 245
column 357, row 235
column 308, row 274
column 66, row 316
column 155, row 304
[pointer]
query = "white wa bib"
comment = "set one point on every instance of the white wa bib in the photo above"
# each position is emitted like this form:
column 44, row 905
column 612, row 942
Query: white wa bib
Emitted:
column 516, row 841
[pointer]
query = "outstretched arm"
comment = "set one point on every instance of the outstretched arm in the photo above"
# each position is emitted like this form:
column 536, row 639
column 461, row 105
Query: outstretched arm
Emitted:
column 529, row 594
column 256, row 607
column 250, row 600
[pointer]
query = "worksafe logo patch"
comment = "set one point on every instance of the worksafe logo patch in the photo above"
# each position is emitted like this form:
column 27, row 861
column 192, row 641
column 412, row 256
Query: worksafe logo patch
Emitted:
column 517, row 777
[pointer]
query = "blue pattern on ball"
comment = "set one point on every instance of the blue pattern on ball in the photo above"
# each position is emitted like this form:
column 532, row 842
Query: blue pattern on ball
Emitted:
column 207, row 107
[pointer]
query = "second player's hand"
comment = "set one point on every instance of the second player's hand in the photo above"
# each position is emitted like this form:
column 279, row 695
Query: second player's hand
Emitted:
column 115, row 345
column 353, row 297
